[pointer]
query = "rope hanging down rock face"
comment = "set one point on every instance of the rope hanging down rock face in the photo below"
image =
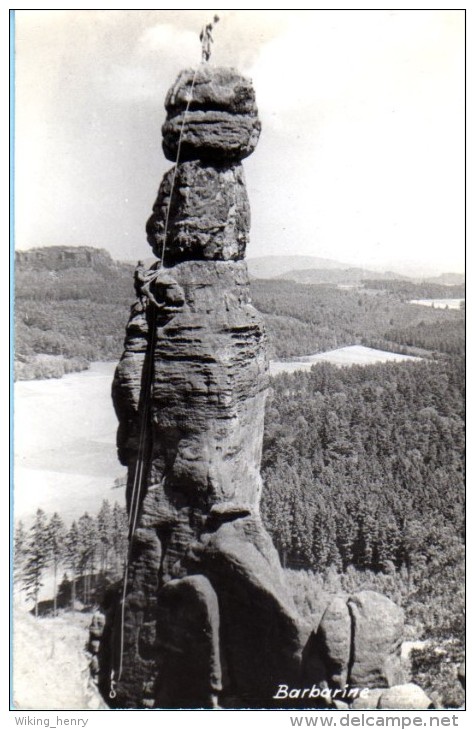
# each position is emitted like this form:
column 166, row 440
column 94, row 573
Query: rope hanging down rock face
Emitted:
column 140, row 462
column 162, row 256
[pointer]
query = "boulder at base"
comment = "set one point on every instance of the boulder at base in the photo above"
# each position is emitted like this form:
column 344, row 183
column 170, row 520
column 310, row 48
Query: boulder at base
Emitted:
column 404, row 697
column 368, row 700
column 377, row 634
column 332, row 642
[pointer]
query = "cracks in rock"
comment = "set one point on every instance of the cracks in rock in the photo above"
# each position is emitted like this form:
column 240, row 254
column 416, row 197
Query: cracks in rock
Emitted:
column 351, row 658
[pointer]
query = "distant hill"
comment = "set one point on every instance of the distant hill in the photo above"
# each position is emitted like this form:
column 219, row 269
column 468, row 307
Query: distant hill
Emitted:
column 60, row 258
column 348, row 276
column 71, row 307
column 447, row 279
column 270, row 267
column 315, row 270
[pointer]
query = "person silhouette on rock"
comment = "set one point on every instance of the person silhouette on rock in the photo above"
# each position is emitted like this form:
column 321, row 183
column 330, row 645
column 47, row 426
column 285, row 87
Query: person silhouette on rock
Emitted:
column 206, row 39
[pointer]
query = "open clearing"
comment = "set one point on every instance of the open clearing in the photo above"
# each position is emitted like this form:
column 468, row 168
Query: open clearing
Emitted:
column 64, row 441
column 439, row 303
column 343, row 357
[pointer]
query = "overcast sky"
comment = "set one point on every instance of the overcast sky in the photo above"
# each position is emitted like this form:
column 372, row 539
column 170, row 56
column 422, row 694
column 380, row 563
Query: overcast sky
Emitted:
column 361, row 156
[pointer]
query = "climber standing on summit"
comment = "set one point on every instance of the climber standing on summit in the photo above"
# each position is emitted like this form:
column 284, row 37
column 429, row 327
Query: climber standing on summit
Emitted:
column 206, row 39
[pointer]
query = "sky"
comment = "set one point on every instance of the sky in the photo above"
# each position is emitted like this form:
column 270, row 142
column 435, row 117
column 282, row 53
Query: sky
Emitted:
column 361, row 157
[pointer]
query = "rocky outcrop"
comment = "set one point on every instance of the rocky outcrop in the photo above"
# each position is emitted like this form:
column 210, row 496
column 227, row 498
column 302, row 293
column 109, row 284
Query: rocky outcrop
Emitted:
column 404, row 697
column 58, row 258
column 333, row 642
column 356, row 644
column 401, row 697
column 212, row 114
column 206, row 618
column 368, row 700
column 188, row 645
column 208, row 214
column 377, row 636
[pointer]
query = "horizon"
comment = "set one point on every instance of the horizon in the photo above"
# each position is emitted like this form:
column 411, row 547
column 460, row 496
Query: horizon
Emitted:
column 371, row 158
column 408, row 271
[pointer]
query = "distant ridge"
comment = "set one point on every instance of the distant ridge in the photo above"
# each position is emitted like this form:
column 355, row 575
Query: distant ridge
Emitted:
column 316, row 270
column 301, row 269
column 348, row 276
column 449, row 279
column 270, row 267
column 59, row 258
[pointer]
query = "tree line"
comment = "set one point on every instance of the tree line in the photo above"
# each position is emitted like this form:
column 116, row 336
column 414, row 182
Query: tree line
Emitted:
column 91, row 552
column 417, row 289
column 441, row 337
column 306, row 318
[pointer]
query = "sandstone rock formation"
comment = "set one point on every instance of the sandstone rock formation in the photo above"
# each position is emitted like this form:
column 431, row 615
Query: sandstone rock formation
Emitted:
column 357, row 643
column 368, row 701
column 208, row 214
column 377, row 635
column 333, row 641
column 221, row 123
column 404, row 697
column 401, row 697
column 207, row 612
column 207, row 619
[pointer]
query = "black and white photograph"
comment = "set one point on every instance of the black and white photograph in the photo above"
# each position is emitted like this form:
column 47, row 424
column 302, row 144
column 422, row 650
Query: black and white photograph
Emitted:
column 239, row 362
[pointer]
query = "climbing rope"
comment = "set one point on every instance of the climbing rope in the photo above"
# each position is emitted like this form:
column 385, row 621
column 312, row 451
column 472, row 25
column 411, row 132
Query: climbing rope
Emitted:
column 140, row 462
column 190, row 97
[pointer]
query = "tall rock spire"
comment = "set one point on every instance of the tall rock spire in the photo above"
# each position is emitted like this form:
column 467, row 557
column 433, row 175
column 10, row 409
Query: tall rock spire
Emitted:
column 204, row 617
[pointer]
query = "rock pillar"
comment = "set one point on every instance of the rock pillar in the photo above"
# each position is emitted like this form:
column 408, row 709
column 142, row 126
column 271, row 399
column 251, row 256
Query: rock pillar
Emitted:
column 207, row 619
column 204, row 618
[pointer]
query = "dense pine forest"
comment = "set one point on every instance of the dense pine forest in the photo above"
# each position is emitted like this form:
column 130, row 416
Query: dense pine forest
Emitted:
column 363, row 473
column 375, row 457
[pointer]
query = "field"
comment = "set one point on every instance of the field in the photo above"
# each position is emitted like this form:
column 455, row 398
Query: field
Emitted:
column 343, row 357
column 64, row 441
column 439, row 303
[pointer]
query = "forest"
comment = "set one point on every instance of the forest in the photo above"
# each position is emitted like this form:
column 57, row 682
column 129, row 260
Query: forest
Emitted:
column 302, row 319
column 367, row 450
column 75, row 315
column 89, row 554
column 417, row 289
